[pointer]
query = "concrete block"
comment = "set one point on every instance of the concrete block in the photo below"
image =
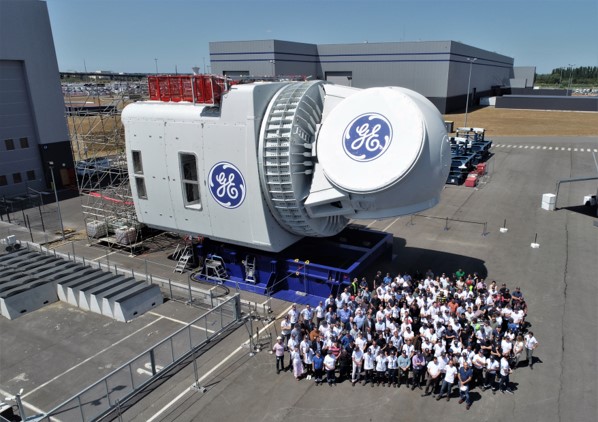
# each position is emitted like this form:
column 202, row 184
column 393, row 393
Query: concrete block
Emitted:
column 27, row 298
column 96, row 300
column 74, row 289
column 128, row 307
column 62, row 282
column 90, row 303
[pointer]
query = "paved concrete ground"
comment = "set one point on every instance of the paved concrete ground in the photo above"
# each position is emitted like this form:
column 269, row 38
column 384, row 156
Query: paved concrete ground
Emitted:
column 559, row 281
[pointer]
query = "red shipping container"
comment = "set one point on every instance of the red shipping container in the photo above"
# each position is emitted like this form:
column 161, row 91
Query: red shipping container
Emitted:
column 481, row 169
column 472, row 180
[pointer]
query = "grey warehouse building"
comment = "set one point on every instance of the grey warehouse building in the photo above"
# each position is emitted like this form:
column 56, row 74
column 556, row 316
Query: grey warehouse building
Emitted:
column 438, row 70
column 33, row 130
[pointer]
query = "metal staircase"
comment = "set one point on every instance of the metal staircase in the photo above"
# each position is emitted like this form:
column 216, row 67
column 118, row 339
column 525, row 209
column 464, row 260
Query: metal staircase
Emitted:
column 250, row 269
column 184, row 256
column 215, row 269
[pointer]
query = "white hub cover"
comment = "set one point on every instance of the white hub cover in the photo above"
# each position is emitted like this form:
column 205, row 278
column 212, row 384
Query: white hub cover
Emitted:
column 371, row 140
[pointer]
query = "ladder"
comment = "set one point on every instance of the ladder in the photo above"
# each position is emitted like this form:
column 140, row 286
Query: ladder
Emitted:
column 184, row 257
column 249, row 269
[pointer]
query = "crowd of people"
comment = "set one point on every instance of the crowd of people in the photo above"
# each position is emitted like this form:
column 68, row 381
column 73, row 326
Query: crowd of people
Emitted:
column 433, row 332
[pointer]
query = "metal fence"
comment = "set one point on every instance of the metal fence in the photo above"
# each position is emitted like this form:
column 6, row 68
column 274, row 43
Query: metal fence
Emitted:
column 182, row 291
column 106, row 395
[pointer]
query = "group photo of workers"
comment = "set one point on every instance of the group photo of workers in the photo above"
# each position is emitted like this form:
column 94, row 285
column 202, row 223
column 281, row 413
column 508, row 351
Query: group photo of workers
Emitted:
column 441, row 334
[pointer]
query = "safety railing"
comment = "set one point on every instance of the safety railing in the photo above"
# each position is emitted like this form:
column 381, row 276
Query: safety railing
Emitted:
column 109, row 393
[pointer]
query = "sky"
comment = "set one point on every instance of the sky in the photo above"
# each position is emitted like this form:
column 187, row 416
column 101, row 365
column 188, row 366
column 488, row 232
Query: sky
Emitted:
column 128, row 35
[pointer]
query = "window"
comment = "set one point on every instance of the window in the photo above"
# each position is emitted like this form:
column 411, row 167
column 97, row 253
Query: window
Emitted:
column 140, row 184
column 10, row 144
column 24, row 142
column 16, row 178
column 3, row 181
column 31, row 175
column 137, row 163
column 190, row 181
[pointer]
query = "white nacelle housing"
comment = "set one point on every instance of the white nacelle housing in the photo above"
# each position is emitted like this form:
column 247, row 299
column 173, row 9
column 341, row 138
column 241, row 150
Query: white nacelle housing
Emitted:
column 280, row 161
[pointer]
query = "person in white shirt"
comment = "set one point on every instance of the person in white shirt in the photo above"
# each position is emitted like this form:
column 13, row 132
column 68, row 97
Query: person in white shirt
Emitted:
column 409, row 348
column 408, row 334
column 443, row 360
column 492, row 367
column 293, row 315
column 330, row 367
column 433, row 370
column 530, row 345
column 308, row 360
column 518, row 347
column 505, row 371
column 450, row 372
column 506, row 345
column 479, row 363
column 380, row 368
column 297, row 363
column 319, row 312
column 357, row 358
column 307, row 314
column 369, row 361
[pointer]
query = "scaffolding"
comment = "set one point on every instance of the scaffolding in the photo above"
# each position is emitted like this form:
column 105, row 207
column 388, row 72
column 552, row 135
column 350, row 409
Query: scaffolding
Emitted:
column 93, row 112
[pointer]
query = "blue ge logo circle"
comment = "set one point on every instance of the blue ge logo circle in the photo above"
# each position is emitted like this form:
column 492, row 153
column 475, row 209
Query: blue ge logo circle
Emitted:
column 367, row 137
column 227, row 185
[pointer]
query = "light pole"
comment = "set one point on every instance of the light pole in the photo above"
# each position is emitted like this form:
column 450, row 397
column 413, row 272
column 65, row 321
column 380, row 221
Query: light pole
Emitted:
column 570, row 77
column 156, row 62
column 51, row 166
column 470, row 60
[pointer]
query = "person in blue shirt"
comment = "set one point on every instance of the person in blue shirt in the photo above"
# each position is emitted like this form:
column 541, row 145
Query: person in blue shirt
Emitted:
column 344, row 314
column 387, row 279
column 318, row 362
column 465, row 377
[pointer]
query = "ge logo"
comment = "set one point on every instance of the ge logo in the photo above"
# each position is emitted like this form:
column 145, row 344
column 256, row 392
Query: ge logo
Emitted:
column 227, row 185
column 367, row 137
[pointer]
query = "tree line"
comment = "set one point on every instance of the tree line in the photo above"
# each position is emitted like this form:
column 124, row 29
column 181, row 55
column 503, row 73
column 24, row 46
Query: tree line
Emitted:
column 583, row 75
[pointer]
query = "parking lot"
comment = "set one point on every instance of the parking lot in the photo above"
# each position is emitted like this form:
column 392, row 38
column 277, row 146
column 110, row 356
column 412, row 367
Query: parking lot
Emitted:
column 53, row 352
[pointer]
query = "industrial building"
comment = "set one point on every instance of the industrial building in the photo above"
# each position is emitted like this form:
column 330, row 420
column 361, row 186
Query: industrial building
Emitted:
column 33, row 133
column 439, row 70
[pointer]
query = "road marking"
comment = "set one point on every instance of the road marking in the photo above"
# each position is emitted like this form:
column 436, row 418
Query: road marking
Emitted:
column 574, row 149
column 520, row 146
column 207, row 374
column 90, row 358
column 527, row 146
column 371, row 224
column 549, row 148
column 103, row 256
column 180, row 322
column 148, row 369
column 581, row 150
column 29, row 405
column 595, row 150
column 543, row 147
column 394, row 221
column 568, row 149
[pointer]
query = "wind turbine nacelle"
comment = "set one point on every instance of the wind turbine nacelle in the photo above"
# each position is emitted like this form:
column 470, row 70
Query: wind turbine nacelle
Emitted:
column 276, row 162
